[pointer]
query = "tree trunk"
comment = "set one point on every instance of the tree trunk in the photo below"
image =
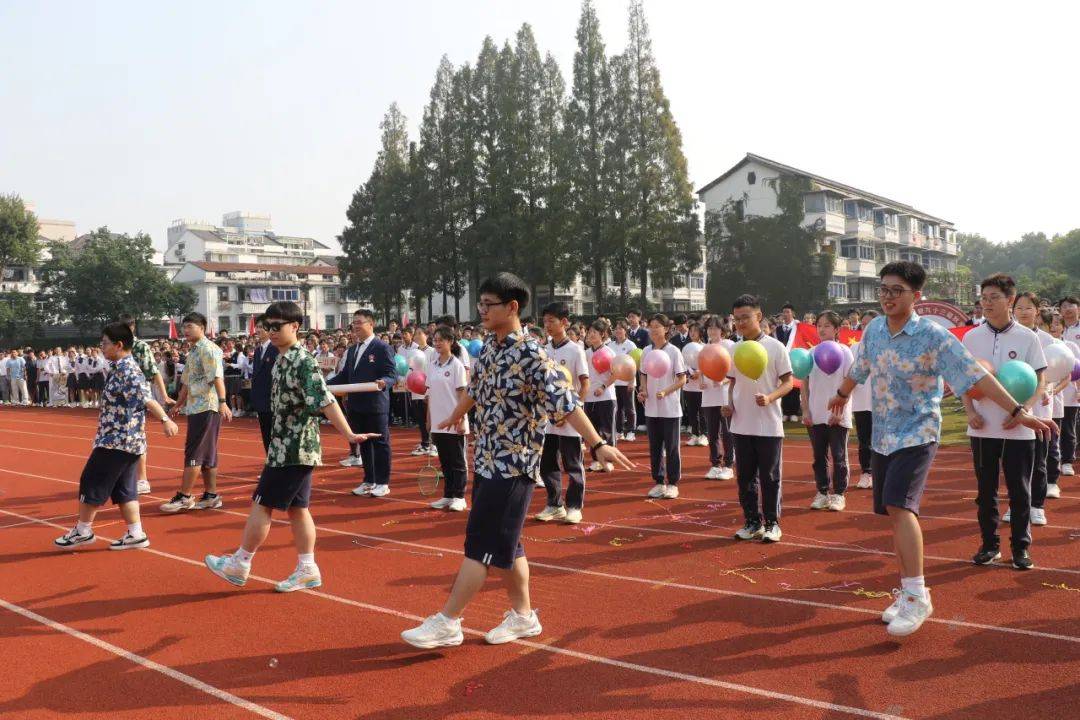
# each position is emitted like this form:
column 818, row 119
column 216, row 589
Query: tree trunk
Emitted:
column 644, row 270
column 598, row 290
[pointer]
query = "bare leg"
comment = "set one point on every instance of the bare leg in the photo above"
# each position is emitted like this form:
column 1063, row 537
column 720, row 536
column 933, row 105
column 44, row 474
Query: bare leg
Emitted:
column 470, row 579
column 303, row 530
column 209, row 476
column 142, row 467
column 908, row 540
column 256, row 528
column 517, row 586
column 130, row 512
column 188, row 483
column 87, row 512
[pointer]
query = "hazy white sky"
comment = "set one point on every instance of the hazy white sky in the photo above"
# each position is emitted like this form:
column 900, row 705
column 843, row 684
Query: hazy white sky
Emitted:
column 132, row 114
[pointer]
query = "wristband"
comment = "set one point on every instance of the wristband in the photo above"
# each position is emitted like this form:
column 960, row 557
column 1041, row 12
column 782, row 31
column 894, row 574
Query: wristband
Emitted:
column 1016, row 411
column 840, row 394
column 599, row 444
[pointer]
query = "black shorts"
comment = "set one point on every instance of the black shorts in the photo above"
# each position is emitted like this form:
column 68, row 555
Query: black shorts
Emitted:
column 282, row 488
column 109, row 475
column 900, row 478
column 83, row 382
column 493, row 532
column 200, row 444
column 97, row 382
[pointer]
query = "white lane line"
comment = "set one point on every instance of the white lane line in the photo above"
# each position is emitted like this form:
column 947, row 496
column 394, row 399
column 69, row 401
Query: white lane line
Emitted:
column 587, row 657
column 147, row 663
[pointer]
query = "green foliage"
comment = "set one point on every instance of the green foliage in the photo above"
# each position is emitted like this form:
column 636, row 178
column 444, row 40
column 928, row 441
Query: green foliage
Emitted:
column 774, row 257
column 1049, row 267
column 957, row 286
column 20, row 321
column 107, row 276
column 19, row 243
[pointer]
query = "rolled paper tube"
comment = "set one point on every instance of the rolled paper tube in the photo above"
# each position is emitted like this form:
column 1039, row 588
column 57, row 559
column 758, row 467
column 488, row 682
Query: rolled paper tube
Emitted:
column 353, row 388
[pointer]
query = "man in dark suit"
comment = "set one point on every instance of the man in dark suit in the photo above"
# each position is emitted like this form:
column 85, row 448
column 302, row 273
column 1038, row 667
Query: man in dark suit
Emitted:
column 680, row 334
column 787, row 330
column 370, row 360
column 261, row 379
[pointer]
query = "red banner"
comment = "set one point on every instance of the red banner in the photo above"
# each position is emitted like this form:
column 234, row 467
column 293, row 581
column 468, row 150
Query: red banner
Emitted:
column 961, row 330
column 806, row 336
column 849, row 337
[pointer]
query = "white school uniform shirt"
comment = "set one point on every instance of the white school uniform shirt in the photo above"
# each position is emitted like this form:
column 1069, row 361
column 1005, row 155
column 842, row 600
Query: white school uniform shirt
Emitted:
column 42, row 369
column 822, row 388
column 596, row 379
column 1016, row 342
column 1069, row 396
column 749, row 418
column 572, row 357
column 692, row 385
column 861, row 400
column 671, row 405
column 623, row 348
column 1044, row 412
column 443, row 382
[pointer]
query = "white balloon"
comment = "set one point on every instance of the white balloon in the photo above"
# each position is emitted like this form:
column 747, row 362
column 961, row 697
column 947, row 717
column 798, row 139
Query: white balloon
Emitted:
column 1074, row 347
column 1059, row 362
column 418, row 362
column 728, row 344
column 690, row 353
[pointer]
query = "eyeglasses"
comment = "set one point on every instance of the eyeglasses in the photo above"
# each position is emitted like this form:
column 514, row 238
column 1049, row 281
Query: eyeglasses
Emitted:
column 891, row 292
column 274, row 325
column 484, row 307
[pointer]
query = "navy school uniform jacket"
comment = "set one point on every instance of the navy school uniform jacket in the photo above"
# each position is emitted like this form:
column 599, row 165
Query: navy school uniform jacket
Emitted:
column 376, row 364
column 262, row 378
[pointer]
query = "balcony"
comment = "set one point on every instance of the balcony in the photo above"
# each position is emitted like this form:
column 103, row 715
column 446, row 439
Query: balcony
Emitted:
column 913, row 239
column 859, row 267
column 888, row 234
column 831, row 223
column 857, row 227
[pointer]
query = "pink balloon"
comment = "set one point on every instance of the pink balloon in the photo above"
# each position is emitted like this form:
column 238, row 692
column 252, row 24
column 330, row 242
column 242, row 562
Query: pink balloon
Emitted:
column 656, row 363
column 416, row 381
column 601, row 359
column 829, row 356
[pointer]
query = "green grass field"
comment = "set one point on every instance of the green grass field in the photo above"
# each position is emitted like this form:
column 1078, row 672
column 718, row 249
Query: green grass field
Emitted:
column 953, row 424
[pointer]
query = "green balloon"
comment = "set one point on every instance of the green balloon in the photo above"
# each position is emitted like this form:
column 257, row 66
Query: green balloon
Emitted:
column 1019, row 379
column 401, row 365
column 802, row 362
column 636, row 354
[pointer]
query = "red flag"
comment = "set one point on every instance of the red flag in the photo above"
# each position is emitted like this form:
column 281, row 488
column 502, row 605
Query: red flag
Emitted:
column 849, row 337
column 251, row 326
column 961, row 330
column 405, row 318
column 173, row 335
column 806, row 336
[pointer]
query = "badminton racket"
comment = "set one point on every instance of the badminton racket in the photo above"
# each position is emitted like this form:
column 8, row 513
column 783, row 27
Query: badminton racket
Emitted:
column 428, row 479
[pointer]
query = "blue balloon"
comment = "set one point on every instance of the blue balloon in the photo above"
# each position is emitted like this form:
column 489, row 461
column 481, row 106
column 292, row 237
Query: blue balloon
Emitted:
column 475, row 346
column 401, row 366
column 802, row 362
column 1019, row 379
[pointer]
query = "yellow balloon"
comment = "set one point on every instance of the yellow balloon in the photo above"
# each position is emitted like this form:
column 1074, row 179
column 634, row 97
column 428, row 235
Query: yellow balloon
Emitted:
column 751, row 358
column 565, row 373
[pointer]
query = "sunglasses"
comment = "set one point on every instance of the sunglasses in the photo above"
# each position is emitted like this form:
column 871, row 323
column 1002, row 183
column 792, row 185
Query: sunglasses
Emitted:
column 274, row 325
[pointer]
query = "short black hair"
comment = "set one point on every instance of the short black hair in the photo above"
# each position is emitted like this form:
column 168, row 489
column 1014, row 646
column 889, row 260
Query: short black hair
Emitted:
column 195, row 318
column 787, row 306
column 1002, row 282
column 128, row 320
column 831, row 316
column 364, row 312
column 633, row 311
column 912, row 273
column 679, row 319
column 660, row 318
column 507, row 287
column 557, row 309
column 869, row 313
column 119, row 334
column 746, row 300
column 285, row 310
column 259, row 319
column 448, row 320
column 1069, row 299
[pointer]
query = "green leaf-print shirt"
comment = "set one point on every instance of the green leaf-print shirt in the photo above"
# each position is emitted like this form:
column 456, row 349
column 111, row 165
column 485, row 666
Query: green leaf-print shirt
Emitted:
column 297, row 396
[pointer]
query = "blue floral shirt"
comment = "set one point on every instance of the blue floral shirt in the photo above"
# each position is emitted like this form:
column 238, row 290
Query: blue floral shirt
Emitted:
column 905, row 372
column 516, row 389
column 122, row 424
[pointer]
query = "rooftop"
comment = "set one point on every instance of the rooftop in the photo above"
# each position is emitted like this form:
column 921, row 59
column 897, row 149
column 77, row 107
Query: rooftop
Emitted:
column 267, row 267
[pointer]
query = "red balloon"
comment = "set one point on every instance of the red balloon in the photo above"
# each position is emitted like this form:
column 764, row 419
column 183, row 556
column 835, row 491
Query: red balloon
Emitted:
column 974, row 393
column 601, row 359
column 416, row 381
column 714, row 362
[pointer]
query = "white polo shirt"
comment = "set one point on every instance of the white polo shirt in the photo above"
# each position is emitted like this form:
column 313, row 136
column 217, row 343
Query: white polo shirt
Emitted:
column 691, row 384
column 623, row 348
column 749, row 417
column 429, row 355
column 1016, row 342
column 596, row 379
column 572, row 357
column 1069, row 395
column 671, row 405
column 1039, row 410
column 860, row 396
column 443, row 382
column 822, row 388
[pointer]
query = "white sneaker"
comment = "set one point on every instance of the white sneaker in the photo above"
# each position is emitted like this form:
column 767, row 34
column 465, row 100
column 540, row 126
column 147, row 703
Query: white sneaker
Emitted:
column 208, row 502
column 727, row 473
column 630, row 437
column 179, row 503
column 457, row 505
column 419, row 450
column 142, row 487
column 538, row 482
column 350, row 461
column 551, row 512
column 363, row 489
column 837, row 503
column 713, row 474
column 609, row 467
column 703, row 441
column 749, row 531
column 130, row 542
column 771, row 533
column 436, row 631
column 1038, row 516
column 432, row 451
column 302, row 578
column 820, row 502
column 671, row 492
column 1053, row 490
column 691, row 441
column 73, row 538
column 442, row 503
column 1067, row 469
column 657, row 491
column 227, row 568
column 596, row 466
column 911, row 615
column 866, row 481
column 894, row 609
column 573, row 516
column 379, row 490
column 514, row 626
column 1007, row 517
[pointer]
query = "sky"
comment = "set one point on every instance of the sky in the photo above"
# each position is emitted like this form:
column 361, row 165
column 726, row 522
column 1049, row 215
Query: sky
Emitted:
column 134, row 114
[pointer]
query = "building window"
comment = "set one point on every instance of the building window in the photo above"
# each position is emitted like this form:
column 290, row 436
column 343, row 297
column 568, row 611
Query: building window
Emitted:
column 851, row 209
column 346, row 320
column 284, row 294
column 866, row 252
column 224, row 322
column 330, row 294
column 853, row 290
column 814, row 202
column 697, row 281
column 751, row 177
column 849, row 248
column 223, row 292
column 740, row 210
column 837, row 288
column 834, row 204
column 329, row 322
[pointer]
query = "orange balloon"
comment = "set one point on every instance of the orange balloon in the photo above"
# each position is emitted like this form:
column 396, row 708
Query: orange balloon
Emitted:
column 714, row 362
column 623, row 368
column 974, row 393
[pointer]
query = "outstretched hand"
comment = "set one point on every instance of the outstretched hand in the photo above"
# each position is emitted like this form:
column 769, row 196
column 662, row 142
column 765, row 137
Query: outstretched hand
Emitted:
column 609, row 454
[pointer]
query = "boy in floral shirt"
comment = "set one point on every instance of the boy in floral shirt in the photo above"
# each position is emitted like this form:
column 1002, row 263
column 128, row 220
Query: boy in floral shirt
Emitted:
column 112, row 469
column 144, row 358
column 298, row 397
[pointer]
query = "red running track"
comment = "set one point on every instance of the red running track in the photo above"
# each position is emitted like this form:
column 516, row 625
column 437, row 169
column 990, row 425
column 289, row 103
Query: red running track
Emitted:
column 650, row 609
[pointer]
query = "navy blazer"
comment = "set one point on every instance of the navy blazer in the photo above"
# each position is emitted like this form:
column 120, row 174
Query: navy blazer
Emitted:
column 262, row 377
column 377, row 364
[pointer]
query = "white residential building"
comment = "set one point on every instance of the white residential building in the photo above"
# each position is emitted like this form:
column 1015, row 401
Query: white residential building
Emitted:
column 862, row 229
column 23, row 279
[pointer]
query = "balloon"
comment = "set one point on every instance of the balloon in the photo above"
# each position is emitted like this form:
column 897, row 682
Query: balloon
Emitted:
column 623, row 368
column 974, row 393
column 417, row 362
column 751, row 358
column 656, row 363
column 714, row 362
column 601, row 359
column 1075, row 371
column 1059, row 362
column 802, row 362
column 1019, row 379
column 1074, row 347
column 729, row 345
column 690, row 354
column 829, row 356
column 401, row 366
column 475, row 346
column 565, row 371
column 416, row 381
column 636, row 355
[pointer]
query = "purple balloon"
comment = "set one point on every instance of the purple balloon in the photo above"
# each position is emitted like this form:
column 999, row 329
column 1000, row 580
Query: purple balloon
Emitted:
column 1075, row 371
column 829, row 356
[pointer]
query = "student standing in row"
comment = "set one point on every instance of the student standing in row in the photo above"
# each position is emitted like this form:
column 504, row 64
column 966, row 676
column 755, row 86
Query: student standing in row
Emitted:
column 266, row 354
column 828, row 432
column 1056, row 328
column 144, row 359
column 1070, row 318
column 600, row 400
column 715, row 396
column 863, row 417
column 1026, row 310
column 625, row 402
column 692, row 394
column 447, row 384
column 662, row 399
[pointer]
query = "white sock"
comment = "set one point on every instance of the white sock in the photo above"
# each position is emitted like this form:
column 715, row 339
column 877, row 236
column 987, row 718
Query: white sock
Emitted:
column 243, row 556
column 83, row 528
column 305, row 559
column 135, row 530
column 914, row 586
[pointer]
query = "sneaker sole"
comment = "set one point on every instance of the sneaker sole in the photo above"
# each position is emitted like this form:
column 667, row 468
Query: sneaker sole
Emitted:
column 177, row 510
column 213, row 506
column 305, row 586
column 770, row 541
column 550, row 518
column 449, row 642
column 988, row 562
column 905, row 633
column 145, row 543
column 78, row 544
column 516, row 636
column 1024, row 567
